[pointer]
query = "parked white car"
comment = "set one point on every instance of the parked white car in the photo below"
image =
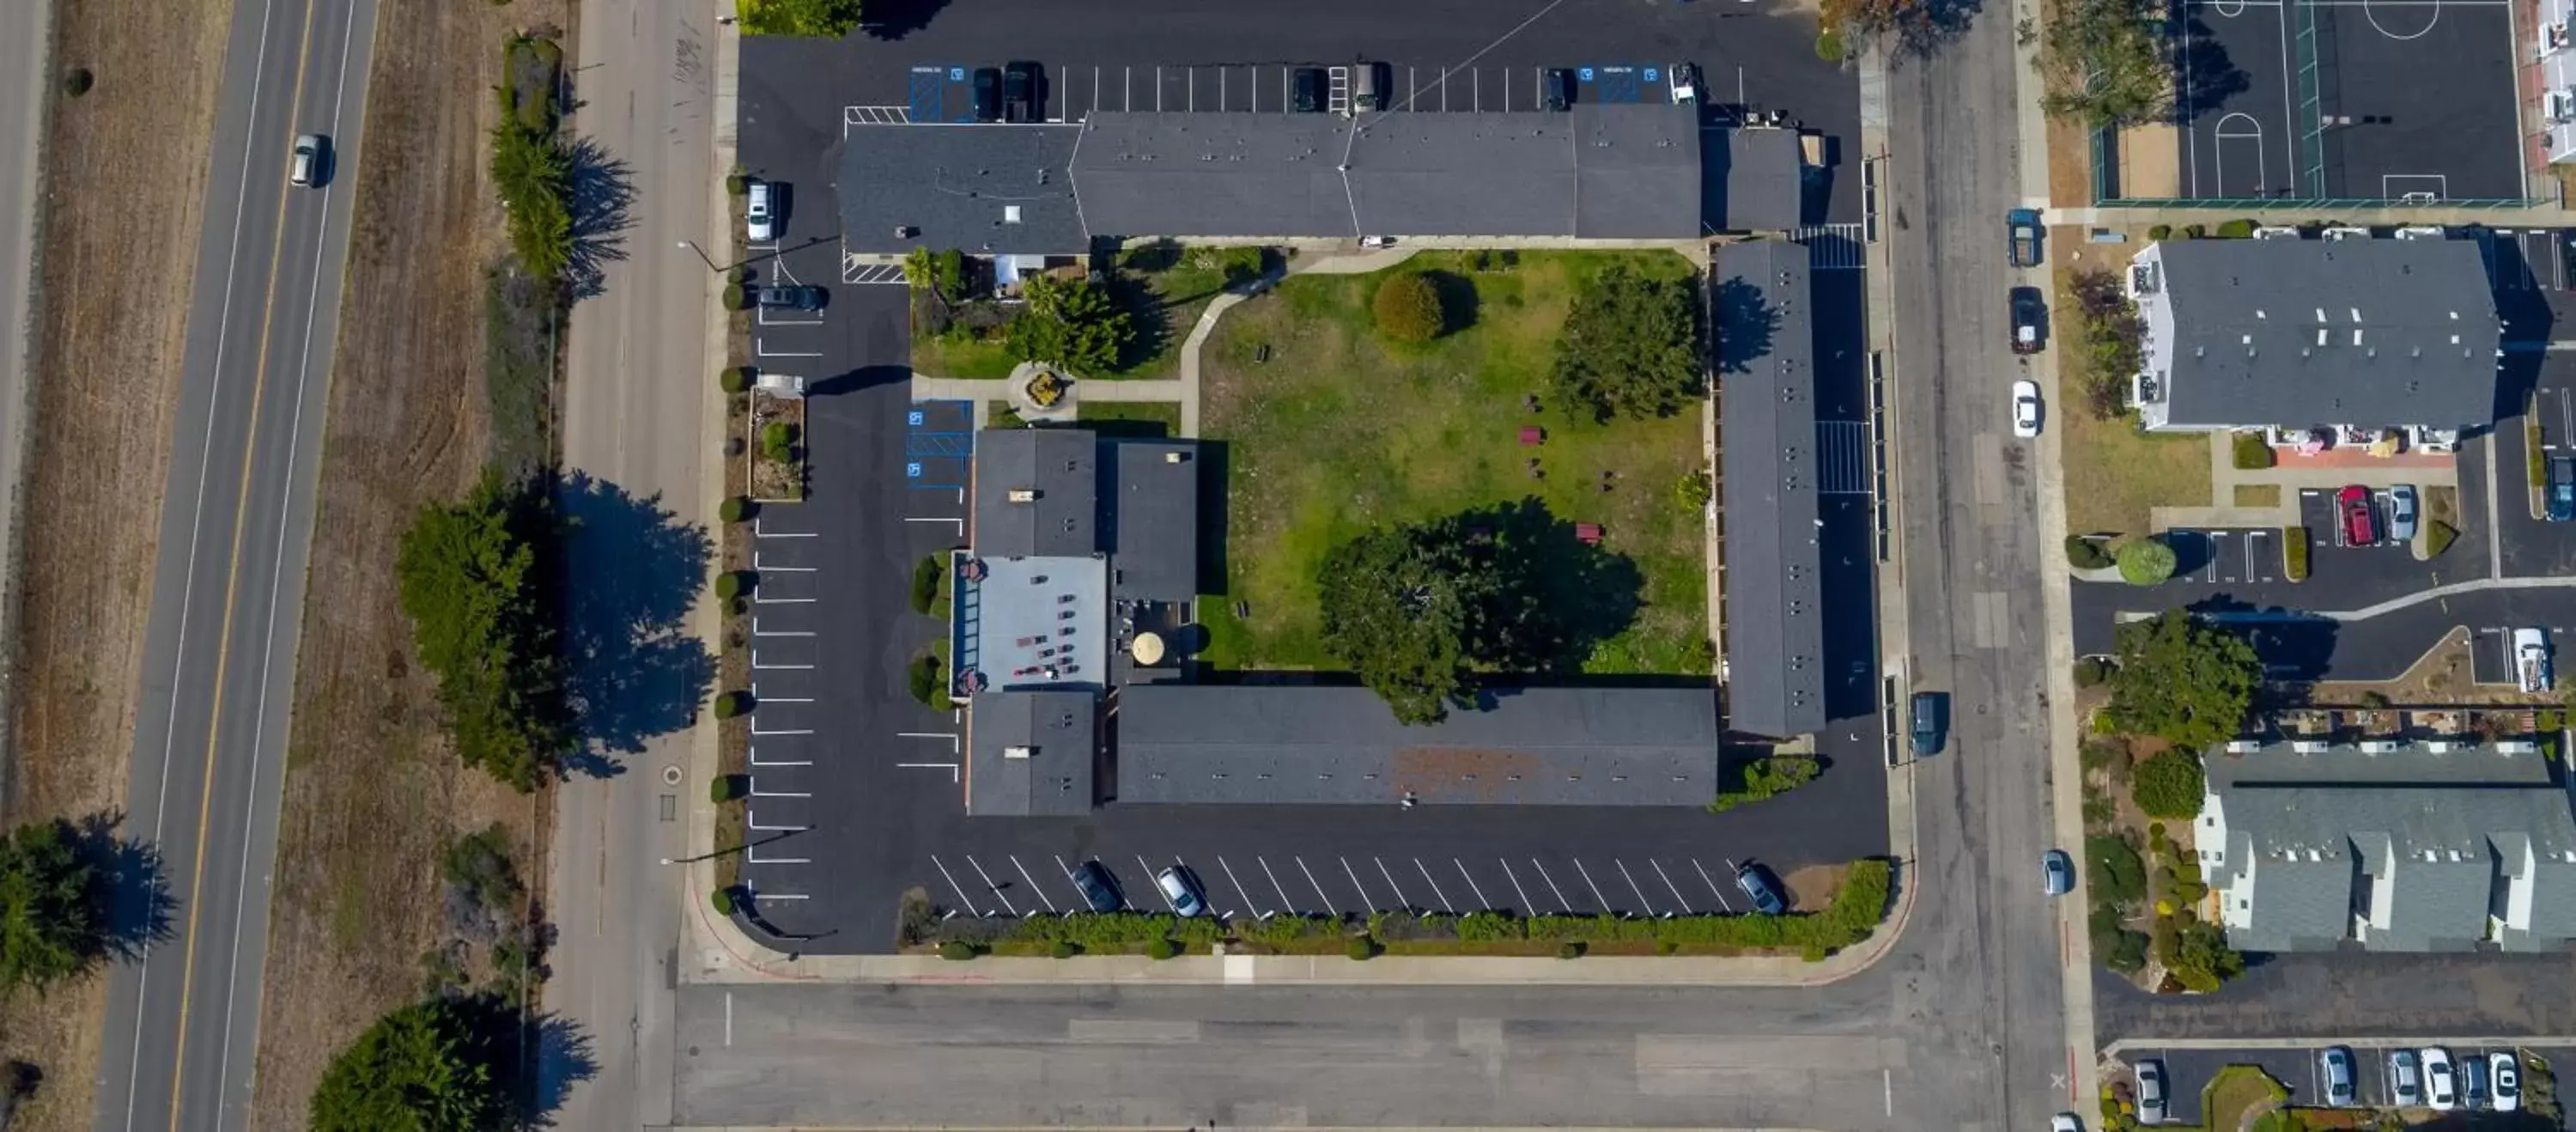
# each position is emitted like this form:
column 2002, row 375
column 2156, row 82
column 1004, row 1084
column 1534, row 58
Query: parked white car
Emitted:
column 2441, row 1085
column 2506, row 1077
column 2531, row 659
column 760, row 212
column 2025, row 409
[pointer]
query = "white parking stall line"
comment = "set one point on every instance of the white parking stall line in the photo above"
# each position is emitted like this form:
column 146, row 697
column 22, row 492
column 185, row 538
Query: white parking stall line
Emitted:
column 753, row 755
column 751, row 855
column 1562, row 904
column 1586, row 874
column 1155, row 885
column 1239, row 890
column 762, row 599
column 1435, row 886
column 757, row 733
column 757, row 666
column 1527, row 909
column 1319, row 888
column 761, row 349
column 951, row 768
column 1678, row 898
column 1472, row 886
column 755, row 694
column 1400, row 901
column 991, row 887
column 1632, row 886
column 759, row 531
column 759, row 566
column 752, row 821
column 1713, row 889
column 1033, row 884
column 763, row 894
column 1365, row 902
column 954, row 744
column 971, row 907
column 1286, row 906
column 757, row 792
column 958, row 522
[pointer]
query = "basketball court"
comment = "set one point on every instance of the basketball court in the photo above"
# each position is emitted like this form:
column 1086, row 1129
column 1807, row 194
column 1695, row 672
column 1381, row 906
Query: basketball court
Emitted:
column 2407, row 100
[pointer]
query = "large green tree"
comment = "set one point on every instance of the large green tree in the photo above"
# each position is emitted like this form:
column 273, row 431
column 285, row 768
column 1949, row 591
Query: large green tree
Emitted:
column 1400, row 608
column 1630, row 346
column 830, row 19
column 1070, row 323
column 52, row 925
column 433, row 1066
column 2182, row 680
column 2104, row 62
column 472, row 576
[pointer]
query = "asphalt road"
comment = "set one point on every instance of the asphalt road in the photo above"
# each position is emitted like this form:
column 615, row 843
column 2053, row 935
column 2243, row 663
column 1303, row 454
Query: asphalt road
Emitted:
column 209, row 742
column 639, row 402
column 25, row 44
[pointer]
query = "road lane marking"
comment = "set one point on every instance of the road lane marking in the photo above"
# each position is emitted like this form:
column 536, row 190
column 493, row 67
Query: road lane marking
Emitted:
column 232, row 579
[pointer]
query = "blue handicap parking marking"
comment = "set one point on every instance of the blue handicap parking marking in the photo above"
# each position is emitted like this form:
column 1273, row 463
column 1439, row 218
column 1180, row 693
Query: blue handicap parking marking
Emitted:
column 928, row 92
column 1620, row 84
column 956, row 74
column 912, row 469
column 935, row 471
column 913, row 418
column 1654, row 75
column 1585, row 74
column 944, row 418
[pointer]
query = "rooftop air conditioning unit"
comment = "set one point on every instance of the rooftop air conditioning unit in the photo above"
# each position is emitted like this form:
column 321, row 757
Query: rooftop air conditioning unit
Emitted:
column 1024, row 495
column 1018, row 752
column 2562, row 106
column 2244, row 746
column 2309, row 747
column 2517, row 747
column 2381, row 746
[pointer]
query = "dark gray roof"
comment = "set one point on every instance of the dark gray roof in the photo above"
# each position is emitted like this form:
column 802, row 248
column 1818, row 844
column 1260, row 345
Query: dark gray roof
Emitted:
column 2550, row 914
column 1767, row 436
column 2409, row 332
column 1765, row 185
column 1061, row 467
column 1299, row 744
column 956, row 184
column 2298, row 904
column 1600, row 171
column 2459, row 763
column 1032, row 754
column 1152, row 532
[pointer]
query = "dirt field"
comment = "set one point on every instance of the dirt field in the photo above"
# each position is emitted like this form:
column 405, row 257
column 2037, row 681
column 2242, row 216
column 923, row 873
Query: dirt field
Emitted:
column 372, row 789
column 127, row 180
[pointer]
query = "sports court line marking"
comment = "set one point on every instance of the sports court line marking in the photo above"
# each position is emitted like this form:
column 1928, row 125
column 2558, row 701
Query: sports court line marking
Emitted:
column 2219, row 137
column 2289, row 108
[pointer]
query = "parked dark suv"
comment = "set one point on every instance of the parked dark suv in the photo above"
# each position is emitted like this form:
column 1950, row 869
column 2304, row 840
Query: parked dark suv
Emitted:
column 2562, row 489
column 1556, row 88
column 988, row 94
column 1099, row 887
column 1310, row 89
column 1020, row 93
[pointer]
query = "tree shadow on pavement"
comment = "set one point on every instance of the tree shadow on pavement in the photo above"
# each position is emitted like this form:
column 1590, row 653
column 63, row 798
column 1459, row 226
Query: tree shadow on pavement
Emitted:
column 562, row 1051
column 130, row 895
column 632, row 572
column 603, row 203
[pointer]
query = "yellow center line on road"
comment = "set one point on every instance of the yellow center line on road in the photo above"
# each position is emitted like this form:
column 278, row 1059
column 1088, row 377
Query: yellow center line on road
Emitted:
column 232, row 590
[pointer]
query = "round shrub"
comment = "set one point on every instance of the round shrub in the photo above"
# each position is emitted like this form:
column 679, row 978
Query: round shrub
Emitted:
column 736, row 298
column 1362, row 947
column 731, row 704
column 734, row 509
column 736, row 184
column 724, row 788
column 2091, row 671
column 2159, row 231
column 1829, row 46
column 1161, row 948
column 1570, row 949
column 2169, row 785
column 1408, row 308
column 1065, row 949
column 734, row 379
column 77, row 81
column 2235, row 229
column 958, row 950
column 2146, row 562
column 731, row 583
column 723, row 900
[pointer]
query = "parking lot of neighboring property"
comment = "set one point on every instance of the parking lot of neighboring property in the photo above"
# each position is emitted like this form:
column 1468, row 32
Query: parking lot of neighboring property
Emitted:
column 2300, row 1068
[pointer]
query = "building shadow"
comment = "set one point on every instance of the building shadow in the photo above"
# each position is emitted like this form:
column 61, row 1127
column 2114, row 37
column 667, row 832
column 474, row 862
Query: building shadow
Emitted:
column 1215, row 462
column 2293, row 645
column 864, row 377
column 633, row 570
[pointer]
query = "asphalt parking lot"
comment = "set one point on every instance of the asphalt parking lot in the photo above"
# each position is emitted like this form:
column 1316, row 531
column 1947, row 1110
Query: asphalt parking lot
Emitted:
column 2301, row 1069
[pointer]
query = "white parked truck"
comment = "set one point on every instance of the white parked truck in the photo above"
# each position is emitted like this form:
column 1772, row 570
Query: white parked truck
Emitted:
column 2531, row 659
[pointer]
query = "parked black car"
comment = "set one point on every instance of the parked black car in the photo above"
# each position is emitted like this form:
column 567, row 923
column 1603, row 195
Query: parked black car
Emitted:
column 1099, row 888
column 1020, row 93
column 988, row 94
column 1556, row 88
column 1309, row 89
column 2029, row 320
column 792, row 296
column 2562, row 489
column 1761, row 889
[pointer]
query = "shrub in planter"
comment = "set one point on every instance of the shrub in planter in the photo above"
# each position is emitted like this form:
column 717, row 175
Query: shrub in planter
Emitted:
column 959, row 950
column 1362, row 947
column 731, row 704
column 1570, row 949
column 925, row 582
column 1065, row 949
column 724, row 788
column 731, row 584
column 1161, row 947
column 2091, row 671
column 1829, row 46
column 2195, row 231
column 734, row 379
column 736, row 184
column 2085, row 554
column 2250, row 451
column 734, row 509
column 2294, row 553
column 724, row 902
column 736, row 298
column 2159, row 231
column 927, row 679
column 2438, row 537
column 2146, row 562
column 2237, row 229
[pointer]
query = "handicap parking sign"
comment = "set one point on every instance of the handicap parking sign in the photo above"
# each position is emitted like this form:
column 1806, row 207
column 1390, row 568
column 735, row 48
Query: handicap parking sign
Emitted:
column 913, row 418
column 956, row 74
column 912, row 470
column 1585, row 74
column 1652, row 75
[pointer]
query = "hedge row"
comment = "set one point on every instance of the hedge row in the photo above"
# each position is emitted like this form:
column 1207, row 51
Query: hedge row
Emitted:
column 1856, row 910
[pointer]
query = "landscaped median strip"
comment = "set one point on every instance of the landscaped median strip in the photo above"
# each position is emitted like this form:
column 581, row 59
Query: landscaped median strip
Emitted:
column 1855, row 911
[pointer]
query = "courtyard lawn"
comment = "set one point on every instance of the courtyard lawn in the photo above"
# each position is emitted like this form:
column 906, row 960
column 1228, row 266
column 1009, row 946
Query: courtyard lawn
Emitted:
column 2116, row 474
column 1339, row 432
column 960, row 354
column 1163, row 288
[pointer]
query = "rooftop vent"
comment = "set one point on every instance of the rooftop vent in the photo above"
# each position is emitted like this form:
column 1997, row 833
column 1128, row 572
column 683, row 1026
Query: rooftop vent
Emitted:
column 1018, row 752
column 1172, row 457
column 1024, row 495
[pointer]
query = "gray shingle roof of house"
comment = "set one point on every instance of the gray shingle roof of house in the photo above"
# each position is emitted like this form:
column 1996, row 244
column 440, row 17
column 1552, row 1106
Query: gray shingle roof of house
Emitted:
column 2553, row 902
column 1600, row 171
column 1201, row 744
column 1764, row 187
column 2346, row 764
column 1152, row 532
column 956, row 184
column 2365, row 332
column 1062, row 467
column 2299, row 904
column 1032, row 754
column 1767, row 430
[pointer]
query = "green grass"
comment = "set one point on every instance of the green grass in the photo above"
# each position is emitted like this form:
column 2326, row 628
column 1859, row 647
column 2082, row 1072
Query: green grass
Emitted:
column 957, row 354
column 1000, row 414
column 2116, row 474
column 1339, row 433
column 1131, row 418
column 1163, row 305
column 2236, row 1091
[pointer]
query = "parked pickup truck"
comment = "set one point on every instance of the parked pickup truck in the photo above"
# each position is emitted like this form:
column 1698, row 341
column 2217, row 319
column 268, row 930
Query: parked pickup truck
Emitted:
column 2025, row 236
column 2531, row 659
